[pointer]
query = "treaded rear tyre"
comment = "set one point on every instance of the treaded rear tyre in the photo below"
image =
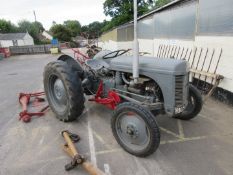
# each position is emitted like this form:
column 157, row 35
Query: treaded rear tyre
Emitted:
column 72, row 104
column 153, row 132
column 194, row 107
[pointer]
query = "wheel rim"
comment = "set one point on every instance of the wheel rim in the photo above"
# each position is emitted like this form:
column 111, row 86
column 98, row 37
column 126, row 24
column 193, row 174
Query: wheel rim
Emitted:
column 132, row 131
column 191, row 104
column 57, row 94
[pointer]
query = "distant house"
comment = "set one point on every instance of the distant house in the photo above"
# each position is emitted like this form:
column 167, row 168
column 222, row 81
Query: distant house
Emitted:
column 15, row 39
column 47, row 35
column 81, row 41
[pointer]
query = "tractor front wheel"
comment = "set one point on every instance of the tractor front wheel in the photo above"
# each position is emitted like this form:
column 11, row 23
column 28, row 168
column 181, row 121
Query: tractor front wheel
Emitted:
column 63, row 90
column 194, row 106
column 135, row 129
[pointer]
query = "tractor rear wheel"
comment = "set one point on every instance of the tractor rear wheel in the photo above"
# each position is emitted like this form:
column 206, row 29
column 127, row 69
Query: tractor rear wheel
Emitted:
column 63, row 90
column 135, row 129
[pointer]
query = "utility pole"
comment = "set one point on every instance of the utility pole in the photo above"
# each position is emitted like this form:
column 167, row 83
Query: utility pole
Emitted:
column 34, row 14
column 135, row 45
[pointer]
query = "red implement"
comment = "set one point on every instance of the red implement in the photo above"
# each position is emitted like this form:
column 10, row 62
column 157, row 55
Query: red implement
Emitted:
column 111, row 101
column 24, row 100
column 81, row 58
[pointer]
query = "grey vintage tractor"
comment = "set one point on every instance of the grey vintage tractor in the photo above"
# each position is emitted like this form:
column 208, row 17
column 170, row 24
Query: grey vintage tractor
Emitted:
column 162, row 88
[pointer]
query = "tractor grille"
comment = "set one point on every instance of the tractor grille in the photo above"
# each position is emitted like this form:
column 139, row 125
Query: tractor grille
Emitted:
column 179, row 90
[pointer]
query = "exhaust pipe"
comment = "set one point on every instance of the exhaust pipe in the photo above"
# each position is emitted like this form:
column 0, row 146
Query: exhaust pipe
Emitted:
column 135, row 46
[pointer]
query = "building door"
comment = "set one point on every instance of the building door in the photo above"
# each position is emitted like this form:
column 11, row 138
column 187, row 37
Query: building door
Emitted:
column 15, row 42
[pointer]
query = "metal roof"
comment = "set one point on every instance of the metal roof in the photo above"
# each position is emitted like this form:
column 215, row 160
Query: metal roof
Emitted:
column 173, row 2
column 12, row 36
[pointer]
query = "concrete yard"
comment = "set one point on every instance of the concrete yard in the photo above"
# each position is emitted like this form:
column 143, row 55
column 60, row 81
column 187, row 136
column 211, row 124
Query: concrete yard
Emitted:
column 202, row 146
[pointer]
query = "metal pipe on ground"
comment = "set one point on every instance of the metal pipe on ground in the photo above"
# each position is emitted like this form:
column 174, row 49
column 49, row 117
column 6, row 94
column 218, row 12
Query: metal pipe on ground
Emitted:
column 77, row 159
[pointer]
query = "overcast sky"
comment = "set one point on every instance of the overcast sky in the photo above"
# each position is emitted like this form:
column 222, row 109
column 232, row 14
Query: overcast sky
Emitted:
column 47, row 11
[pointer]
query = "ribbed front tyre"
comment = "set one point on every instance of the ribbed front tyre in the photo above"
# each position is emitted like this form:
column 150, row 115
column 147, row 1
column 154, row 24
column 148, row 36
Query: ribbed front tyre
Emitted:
column 194, row 106
column 135, row 129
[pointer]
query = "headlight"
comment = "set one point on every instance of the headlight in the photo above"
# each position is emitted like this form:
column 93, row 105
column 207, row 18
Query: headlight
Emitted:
column 179, row 110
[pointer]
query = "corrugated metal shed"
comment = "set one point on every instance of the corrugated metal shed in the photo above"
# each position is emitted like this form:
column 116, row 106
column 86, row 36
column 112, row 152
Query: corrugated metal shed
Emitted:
column 125, row 33
column 215, row 17
column 111, row 35
column 168, row 21
column 174, row 2
column 178, row 21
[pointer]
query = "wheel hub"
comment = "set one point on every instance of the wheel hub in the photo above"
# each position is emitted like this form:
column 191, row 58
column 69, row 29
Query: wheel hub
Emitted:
column 132, row 131
column 59, row 91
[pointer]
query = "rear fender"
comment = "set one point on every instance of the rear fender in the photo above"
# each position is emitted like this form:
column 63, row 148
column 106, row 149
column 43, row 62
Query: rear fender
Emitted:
column 73, row 64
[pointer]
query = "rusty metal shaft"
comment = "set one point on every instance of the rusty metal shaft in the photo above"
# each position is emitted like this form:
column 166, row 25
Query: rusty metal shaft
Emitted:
column 70, row 149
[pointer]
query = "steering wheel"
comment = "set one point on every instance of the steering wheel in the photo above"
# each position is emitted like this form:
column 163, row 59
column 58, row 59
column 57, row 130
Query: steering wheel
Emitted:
column 115, row 53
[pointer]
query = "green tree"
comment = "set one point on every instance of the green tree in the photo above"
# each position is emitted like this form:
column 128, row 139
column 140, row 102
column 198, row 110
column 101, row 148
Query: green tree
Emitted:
column 61, row 32
column 160, row 3
column 122, row 11
column 74, row 26
column 33, row 28
column 39, row 26
column 7, row 27
column 84, row 28
column 85, row 31
column 94, row 29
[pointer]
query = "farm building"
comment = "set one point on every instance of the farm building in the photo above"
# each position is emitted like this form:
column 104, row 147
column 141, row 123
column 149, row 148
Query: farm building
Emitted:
column 15, row 39
column 199, row 31
column 47, row 35
column 81, row 41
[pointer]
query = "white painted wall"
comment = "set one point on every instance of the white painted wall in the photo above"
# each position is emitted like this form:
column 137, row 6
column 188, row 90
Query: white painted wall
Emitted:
column 109, row 45
column 225, row 67
column 146, row 45
column 6, row 43
column 21, row 42
column 175, row 42
column 125, row 45
column 28, row 40
column 47, row 35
